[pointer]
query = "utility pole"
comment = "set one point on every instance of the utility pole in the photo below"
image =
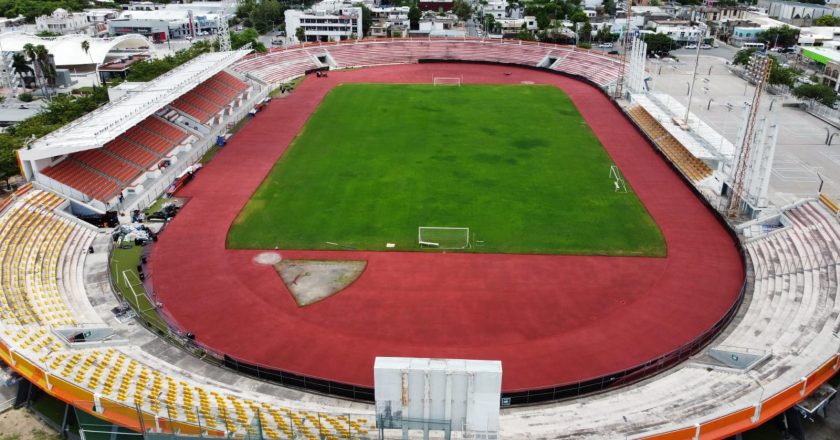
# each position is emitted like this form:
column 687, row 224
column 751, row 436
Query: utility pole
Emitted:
column 759, row 70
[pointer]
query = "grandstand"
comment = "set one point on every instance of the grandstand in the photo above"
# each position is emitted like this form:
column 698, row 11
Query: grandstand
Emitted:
column 787, row 313
column 285, row 64
column 127, row 152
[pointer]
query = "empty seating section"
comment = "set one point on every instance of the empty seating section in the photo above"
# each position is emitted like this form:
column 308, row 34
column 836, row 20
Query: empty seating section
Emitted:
column 83, row 179
column 231, row 85
column 42, row 252
column 279, row 66
column 103, row 172
column 283, row 65
column 132, row 152
column 694, row 168
column 601, row 70
column 38, row 249
column 210, row 97
column 108, row 164
column 164, row 129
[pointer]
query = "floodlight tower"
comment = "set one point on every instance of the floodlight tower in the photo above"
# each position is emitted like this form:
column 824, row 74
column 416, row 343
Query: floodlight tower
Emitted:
column 759, row 71
column 619, row 86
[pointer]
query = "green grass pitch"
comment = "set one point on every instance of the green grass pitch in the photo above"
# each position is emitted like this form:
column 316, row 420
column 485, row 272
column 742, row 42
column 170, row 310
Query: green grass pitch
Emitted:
column 516, row 164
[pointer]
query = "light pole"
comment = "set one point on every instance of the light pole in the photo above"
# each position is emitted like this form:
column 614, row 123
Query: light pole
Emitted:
column 700, row 31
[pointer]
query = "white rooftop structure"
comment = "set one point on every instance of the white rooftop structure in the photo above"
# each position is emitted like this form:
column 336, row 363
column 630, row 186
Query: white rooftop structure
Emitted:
column 702, row 141
column 67, row 50
column 104, row 124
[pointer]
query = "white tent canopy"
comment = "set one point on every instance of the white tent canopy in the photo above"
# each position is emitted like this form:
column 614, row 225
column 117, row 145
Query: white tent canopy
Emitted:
column 67, row 50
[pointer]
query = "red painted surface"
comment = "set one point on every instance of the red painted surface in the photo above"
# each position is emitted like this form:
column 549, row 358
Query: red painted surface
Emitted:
column 550, row 319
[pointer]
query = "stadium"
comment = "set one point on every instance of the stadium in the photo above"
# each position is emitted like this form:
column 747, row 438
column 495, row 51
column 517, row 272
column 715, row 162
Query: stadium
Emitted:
column 451, row 199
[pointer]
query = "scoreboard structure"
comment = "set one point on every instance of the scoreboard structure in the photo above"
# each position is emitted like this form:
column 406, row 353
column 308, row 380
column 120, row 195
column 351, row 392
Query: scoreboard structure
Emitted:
column 438, row 394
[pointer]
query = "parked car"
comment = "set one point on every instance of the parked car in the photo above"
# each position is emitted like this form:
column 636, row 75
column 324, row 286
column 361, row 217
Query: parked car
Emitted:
column 612, row 52
column 606, row 45
column 706, row 46
column 690, row 46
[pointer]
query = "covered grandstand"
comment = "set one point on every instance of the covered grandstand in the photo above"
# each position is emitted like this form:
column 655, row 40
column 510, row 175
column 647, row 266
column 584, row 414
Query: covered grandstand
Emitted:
column 789, row 318
column 128, row 151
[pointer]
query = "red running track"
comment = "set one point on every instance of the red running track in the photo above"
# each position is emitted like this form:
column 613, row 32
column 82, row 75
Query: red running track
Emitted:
column 551, row 319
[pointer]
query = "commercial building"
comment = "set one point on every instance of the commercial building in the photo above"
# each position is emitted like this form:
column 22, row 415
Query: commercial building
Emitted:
column 163, row 24
column 325, row 24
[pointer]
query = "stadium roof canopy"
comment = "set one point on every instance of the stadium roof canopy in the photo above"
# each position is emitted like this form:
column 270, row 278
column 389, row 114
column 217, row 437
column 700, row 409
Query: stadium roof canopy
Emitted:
column 67, row 50
column 104, row 124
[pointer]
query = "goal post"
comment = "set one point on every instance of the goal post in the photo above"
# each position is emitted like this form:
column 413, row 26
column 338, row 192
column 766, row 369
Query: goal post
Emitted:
column 618, row 180
column 443, row 237
column 447, row 81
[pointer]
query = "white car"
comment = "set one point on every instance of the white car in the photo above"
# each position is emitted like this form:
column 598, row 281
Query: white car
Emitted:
column 605, row 45
column 690, row 46
column 706, row 46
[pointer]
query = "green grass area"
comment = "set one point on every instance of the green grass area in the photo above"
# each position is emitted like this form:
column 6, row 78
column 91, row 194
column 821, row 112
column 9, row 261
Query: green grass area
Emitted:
column 516, row 164
column 124, row 273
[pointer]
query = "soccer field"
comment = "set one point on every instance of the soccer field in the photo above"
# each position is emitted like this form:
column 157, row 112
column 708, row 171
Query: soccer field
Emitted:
column 517, row 165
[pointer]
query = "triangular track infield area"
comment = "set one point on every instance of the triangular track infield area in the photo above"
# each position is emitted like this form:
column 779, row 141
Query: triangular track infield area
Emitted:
column 552, row 318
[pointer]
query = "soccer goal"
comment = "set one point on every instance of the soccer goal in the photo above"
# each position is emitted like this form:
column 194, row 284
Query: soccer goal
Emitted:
column 443, row 237
column 447, row 81
column 618, row 181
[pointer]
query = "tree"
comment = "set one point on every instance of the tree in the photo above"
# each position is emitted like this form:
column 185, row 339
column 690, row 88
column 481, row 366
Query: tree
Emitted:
column 818, row 92
column 579, row 17
column 147, row 70
column 86, row 48
column 414, row 17
column 780, row 75
column 658, row 43
column 779, row 36
column 609, row 7
column 266, row 15
column 585, row 33
column 21, row 66
column 492, row 25
column 828, row 20
column 240, row 39
column 31, row 53
column 525, row 35
column 300, row 34
column 462, row 9
column 543, row 20
column 743, row 56
column 367, row 18
column 605, row 35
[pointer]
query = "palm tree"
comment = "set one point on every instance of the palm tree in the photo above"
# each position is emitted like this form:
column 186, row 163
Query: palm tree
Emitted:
column 29, row 50
column 21, row 66
column 47, row 68
column 86, row 48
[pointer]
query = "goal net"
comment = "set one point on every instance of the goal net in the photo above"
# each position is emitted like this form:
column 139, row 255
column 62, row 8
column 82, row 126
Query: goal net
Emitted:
column 443, row 237
column 447, row 81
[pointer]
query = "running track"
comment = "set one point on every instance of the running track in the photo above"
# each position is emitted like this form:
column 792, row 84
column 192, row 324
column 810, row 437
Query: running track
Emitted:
column 551, row 319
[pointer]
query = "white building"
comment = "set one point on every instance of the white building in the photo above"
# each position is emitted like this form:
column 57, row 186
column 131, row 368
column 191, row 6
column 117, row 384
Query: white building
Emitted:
column 163, row 24
column 389, row 21
column 679, row 31
column 496, row 8
column 324, row 24
column 62, row 22
column 514, row 25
